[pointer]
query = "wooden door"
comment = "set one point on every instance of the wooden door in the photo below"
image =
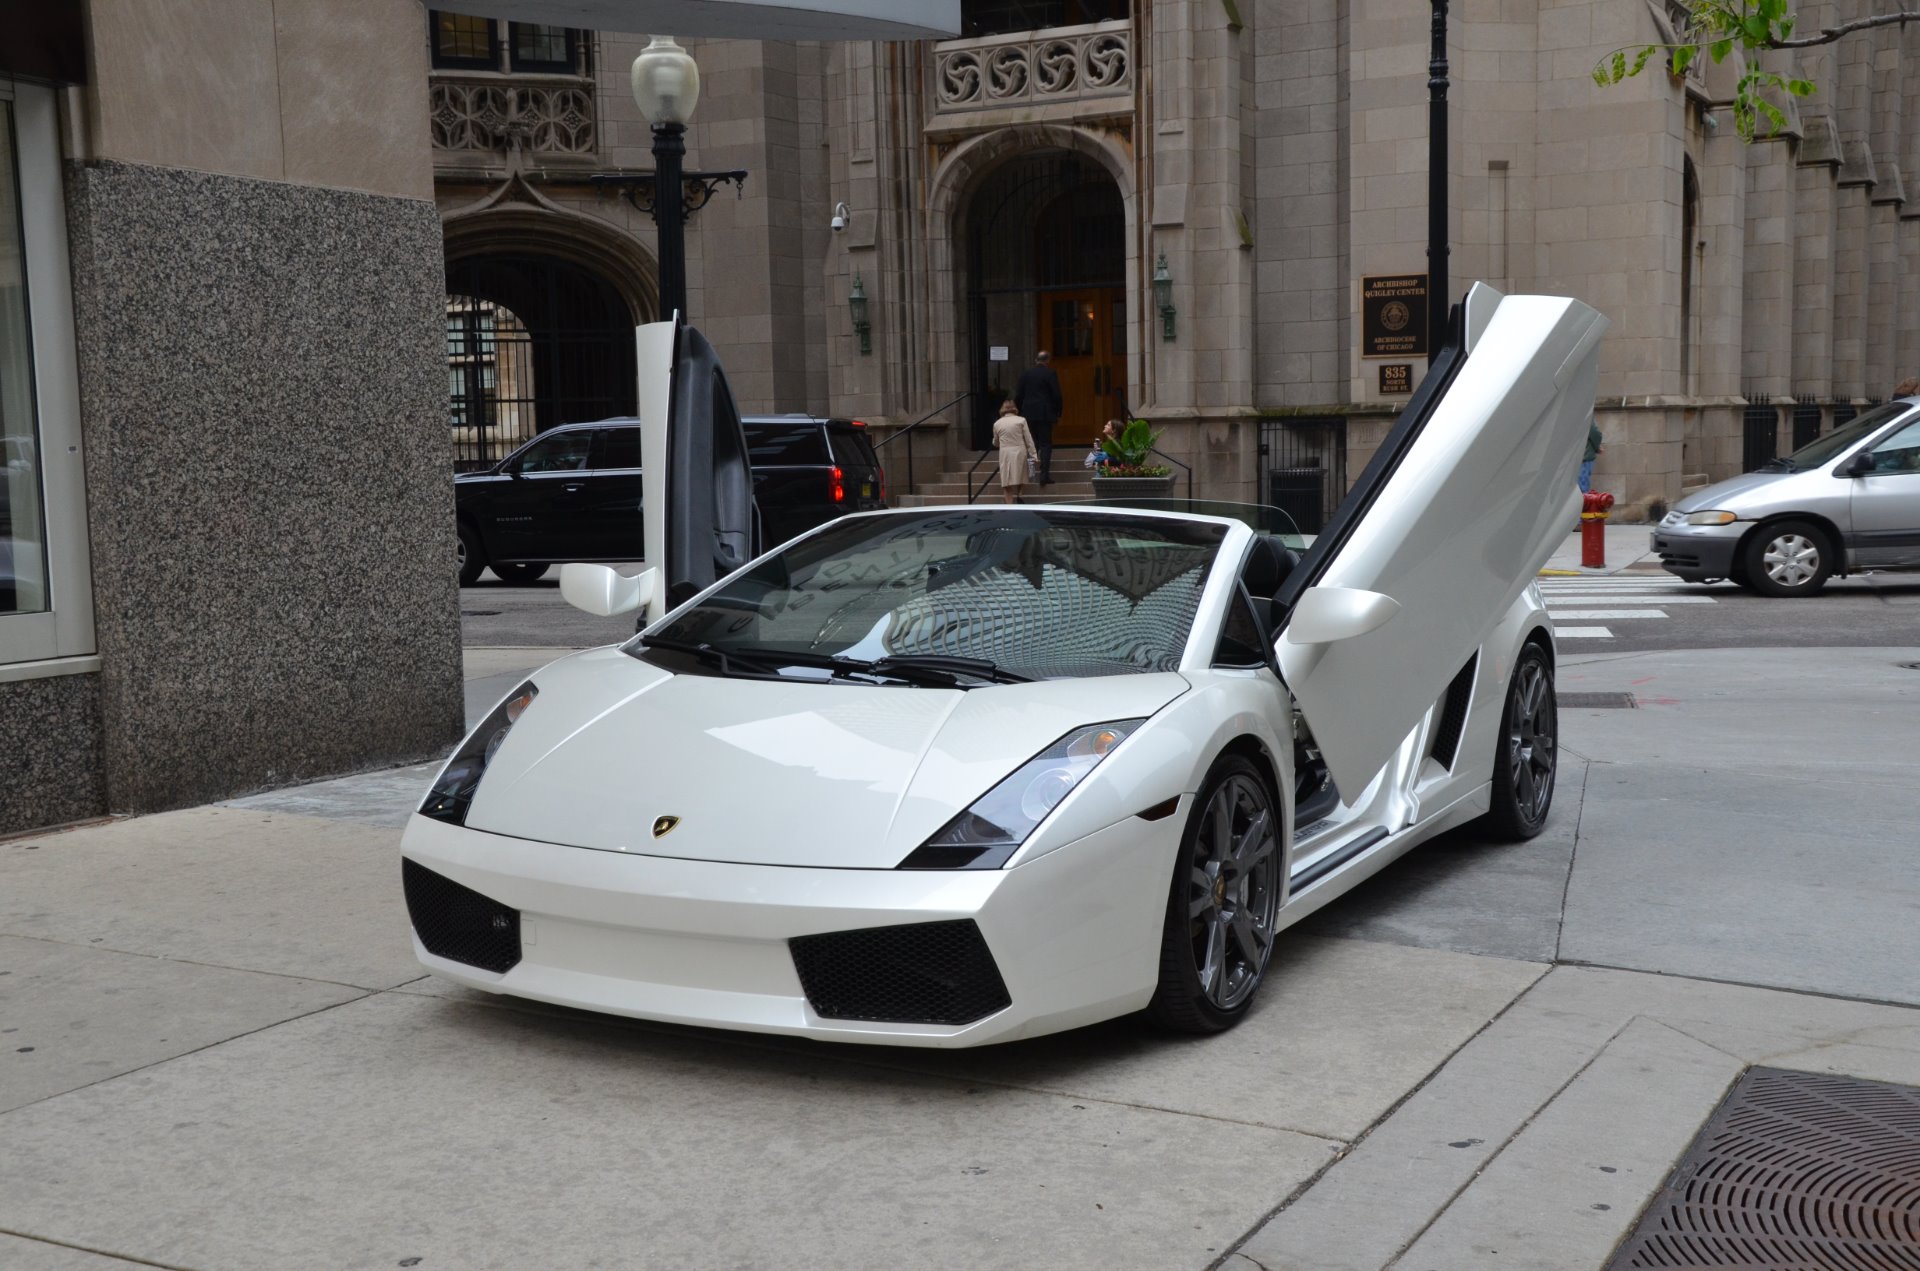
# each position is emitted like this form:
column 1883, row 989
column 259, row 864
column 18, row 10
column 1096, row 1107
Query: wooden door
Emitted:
column 1086, row 332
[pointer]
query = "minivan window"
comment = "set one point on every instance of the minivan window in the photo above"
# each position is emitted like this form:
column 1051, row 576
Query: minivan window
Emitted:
column 1816, row 454
column 776, row 445
column 619, row 448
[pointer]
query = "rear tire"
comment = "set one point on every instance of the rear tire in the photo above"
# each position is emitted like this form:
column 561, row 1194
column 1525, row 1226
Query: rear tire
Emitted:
column 1526, row 757
column 519, row 575
column 1787, row 558
column 1223, row 903
column 472, row 559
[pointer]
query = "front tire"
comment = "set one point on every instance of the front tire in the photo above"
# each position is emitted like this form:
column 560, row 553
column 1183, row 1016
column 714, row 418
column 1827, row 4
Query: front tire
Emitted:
column 519, row 575
column 1528, row 753
column 1787, row 558
column 472, row 559
column 1223, row 905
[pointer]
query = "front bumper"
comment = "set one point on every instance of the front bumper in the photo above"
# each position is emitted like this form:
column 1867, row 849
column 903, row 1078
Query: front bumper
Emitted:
column 1699, row 552
column 1074, row 934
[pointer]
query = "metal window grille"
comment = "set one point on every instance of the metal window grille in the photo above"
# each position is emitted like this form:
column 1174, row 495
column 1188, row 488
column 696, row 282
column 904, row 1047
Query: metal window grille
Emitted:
column 1759, row 437
column 1303, row 467
column 1806, row 423
column 1843, row 413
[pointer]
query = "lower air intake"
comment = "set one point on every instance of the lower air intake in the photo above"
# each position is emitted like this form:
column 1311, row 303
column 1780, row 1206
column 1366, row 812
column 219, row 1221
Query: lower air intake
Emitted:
column 926, row 973
column 458, row 923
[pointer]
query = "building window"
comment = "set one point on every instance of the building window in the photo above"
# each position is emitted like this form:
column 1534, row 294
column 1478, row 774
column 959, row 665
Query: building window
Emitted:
column 46, row 599
column 543, row 49
column 979, row 18
column 464, row 43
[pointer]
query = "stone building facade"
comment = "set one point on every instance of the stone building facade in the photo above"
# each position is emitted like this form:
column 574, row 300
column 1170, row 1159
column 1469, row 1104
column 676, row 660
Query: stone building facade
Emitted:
column 1021, row 186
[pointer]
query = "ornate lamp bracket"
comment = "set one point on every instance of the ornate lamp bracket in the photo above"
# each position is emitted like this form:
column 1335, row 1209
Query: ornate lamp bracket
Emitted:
column 696, row 191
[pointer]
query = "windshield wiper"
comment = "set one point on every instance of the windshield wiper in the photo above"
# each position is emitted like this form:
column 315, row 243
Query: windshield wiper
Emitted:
column 730, row 662
column 947, row 664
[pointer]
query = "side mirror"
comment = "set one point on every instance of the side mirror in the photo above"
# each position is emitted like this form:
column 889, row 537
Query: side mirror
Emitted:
column 1326, row 614
column 1859, row 466
column 604, row 591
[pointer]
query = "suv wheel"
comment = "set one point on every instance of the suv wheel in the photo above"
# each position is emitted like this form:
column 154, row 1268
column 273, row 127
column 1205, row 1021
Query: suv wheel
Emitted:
column 472, row 559
column 1787, row 558
column 519, row 575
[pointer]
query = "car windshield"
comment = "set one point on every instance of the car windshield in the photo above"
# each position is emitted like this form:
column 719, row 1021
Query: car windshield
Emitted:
column 1818, row 453
column 1014, row 593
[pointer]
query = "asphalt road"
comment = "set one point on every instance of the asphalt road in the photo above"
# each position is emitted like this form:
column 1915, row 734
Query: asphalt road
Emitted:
column 1866, row 611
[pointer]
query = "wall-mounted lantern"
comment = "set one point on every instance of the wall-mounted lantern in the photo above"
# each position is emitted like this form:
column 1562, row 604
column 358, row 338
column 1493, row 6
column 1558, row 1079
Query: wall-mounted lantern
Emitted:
column 1163, row 296
column 857, row 306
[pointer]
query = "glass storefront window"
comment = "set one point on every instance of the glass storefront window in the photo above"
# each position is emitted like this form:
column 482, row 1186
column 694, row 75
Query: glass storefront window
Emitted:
column 23, row 556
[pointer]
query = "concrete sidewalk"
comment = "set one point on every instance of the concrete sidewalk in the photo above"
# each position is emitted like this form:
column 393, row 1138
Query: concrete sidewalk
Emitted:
column 1628, row 547
column 219, row 1052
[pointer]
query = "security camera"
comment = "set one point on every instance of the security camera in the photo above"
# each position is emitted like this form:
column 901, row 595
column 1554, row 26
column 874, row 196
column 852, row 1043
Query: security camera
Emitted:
column 840, row 214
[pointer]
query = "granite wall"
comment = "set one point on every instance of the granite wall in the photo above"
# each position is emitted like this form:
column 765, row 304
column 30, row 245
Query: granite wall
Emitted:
column 264, row 402
column 49, row 752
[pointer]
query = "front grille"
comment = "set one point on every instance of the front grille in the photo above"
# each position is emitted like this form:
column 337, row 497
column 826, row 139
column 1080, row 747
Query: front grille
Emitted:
column 458, row 923
column 927, row 973
column 1680, row 559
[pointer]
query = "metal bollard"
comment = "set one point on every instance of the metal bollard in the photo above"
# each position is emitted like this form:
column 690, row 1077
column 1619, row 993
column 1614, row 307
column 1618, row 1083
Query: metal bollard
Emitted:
column 1593, row 529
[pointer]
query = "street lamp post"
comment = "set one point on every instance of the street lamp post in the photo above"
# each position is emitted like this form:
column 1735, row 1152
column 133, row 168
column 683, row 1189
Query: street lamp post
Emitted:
column 666, row 84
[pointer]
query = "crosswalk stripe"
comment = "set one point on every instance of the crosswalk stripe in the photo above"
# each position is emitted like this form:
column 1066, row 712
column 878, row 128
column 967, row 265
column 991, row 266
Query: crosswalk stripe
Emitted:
column 1606, row 613
column 1617, row 598
column 1582, row 633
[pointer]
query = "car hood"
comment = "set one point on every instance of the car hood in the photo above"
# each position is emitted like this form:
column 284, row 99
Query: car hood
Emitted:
column 1727, row 495
column 771, row 773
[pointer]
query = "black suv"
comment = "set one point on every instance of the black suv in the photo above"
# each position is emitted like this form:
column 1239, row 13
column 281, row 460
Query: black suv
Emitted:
column 573, row 492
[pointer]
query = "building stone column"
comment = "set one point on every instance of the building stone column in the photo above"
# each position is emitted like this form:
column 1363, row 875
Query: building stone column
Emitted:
column 1767, row 320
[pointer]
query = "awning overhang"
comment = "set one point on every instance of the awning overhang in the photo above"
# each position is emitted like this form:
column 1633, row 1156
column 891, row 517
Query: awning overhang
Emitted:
column 739, row 19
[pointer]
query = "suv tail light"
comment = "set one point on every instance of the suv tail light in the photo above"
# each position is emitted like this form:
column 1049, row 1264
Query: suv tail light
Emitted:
column 839, row 485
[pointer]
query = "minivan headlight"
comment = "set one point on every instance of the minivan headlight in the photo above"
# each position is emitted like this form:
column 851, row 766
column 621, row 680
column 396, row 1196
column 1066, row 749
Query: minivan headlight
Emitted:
column 1711, row 518
column 453, row 789
column 990, row 831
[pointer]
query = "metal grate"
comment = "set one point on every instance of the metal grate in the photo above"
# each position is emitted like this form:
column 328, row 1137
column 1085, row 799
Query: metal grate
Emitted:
column 925, row 973
column 1806, row 423
column 1795, row 1170
column 1453, row 714
column 1759, row 436
column 1596, row 701
column 458, row 923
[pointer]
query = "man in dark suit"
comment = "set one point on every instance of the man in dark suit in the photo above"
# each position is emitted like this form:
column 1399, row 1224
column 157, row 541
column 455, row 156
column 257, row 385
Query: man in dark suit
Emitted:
column 1038, row 397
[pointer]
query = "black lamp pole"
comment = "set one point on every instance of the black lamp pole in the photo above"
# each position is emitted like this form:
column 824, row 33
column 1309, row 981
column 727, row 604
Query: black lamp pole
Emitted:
column 670, row 216
column 1437, row 286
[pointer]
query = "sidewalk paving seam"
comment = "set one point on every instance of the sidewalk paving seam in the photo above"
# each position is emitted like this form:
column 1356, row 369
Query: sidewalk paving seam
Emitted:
column 333, row 1006
column 1739, row 984
column 1306, row 1185
column 102, row 1253
column 214, row 966
column 1573, row 854
column 1505, row 1143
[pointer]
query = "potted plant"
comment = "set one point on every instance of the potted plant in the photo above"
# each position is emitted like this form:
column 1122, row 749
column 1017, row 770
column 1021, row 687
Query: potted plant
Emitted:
column 1128, row 472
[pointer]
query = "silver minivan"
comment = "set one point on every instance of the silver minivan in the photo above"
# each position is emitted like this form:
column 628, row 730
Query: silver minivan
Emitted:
column 1848, row 502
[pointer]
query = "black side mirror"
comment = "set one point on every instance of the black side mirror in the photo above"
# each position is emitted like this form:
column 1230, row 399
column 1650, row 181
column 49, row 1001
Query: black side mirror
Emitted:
column 1858, row 466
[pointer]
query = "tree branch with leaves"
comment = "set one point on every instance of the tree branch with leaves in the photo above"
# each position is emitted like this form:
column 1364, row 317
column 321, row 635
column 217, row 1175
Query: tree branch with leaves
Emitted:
column 1717, row 27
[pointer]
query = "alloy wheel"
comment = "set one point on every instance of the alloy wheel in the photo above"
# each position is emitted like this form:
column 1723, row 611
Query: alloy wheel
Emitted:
column 1532, row 738
column 1791, row 560
column 1233, row 891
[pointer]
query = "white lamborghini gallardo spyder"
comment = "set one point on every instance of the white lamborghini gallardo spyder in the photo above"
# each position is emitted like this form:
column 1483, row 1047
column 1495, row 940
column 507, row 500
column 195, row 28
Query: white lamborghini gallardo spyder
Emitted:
column 946, row 776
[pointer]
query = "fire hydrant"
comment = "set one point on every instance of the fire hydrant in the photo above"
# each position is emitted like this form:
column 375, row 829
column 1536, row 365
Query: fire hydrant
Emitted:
column 1593, row 529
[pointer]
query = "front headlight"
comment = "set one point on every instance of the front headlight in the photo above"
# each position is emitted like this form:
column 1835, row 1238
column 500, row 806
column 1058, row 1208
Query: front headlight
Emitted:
column 1711, row 518
column 992, row 830
column 453, row 791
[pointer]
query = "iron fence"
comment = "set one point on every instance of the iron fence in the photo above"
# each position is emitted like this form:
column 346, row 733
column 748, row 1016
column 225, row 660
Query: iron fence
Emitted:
column 1303, row 467
column 1759, row 436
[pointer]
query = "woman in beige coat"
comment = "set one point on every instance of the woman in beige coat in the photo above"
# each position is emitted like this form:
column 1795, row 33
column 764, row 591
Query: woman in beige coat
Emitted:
column 1017, row 451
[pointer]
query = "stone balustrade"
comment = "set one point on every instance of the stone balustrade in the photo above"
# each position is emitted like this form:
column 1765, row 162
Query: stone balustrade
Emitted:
column 1062, row 64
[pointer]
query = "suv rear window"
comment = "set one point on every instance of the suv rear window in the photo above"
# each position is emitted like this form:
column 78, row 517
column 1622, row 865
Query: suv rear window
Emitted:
column 774, row 445
column 850, row 447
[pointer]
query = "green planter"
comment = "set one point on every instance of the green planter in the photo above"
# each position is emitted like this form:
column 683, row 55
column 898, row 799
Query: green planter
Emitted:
column 1131, row 489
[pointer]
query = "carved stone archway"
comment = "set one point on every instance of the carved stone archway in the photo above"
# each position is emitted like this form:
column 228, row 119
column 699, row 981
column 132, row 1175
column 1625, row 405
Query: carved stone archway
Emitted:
column 543, row 229
column 950, row 195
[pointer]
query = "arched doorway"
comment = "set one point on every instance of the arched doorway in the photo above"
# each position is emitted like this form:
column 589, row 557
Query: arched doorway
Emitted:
column 1046, row 268
column 533, row 340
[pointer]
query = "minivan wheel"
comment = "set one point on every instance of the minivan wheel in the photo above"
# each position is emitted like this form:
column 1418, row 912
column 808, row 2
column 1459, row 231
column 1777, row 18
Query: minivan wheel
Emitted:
column 1787, row 558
